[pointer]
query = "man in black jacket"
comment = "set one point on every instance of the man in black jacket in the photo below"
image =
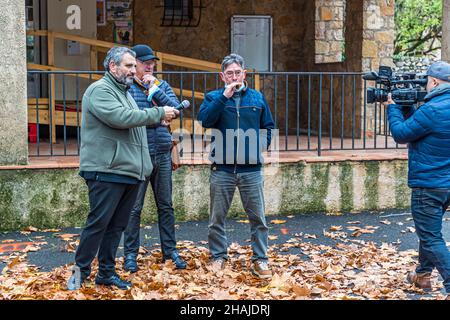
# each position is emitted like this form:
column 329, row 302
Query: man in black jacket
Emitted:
column 149, row 92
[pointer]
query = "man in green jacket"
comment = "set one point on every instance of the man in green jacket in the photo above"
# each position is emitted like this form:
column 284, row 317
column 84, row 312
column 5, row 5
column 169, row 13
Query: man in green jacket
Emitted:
column 114, row 158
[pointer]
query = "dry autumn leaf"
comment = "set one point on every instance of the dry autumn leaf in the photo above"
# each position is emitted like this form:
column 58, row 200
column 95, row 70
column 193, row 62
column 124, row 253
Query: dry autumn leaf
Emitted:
column 354, row 270
column 30, row 229
column 277, row 221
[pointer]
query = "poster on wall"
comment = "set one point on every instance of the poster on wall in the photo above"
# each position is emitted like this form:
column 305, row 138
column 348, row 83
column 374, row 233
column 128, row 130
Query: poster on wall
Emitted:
column 101, row 12
column 123, row 32
column 119, row 10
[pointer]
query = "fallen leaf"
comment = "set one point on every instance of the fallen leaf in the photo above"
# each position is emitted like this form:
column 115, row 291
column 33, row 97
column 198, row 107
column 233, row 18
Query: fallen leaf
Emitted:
column 278, row 221
column 30, row 229
column 273, row 237
column 411, row 229
column 335, row 228
column 386, row 222
column 301, row 291
column 67, row 236
column 284, row 231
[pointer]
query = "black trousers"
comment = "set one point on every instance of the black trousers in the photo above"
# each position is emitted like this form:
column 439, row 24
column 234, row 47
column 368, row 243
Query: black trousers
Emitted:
column 161, row 182
column 110, row 207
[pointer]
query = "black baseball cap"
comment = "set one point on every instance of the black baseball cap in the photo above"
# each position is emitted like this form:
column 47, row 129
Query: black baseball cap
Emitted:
column 144, row 53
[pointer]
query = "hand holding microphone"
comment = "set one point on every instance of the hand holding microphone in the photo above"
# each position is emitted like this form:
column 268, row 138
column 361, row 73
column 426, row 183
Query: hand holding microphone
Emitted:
column 174, row 112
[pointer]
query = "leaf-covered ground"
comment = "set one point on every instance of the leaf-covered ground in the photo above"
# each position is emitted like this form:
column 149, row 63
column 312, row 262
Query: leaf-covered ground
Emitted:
column 350, row 269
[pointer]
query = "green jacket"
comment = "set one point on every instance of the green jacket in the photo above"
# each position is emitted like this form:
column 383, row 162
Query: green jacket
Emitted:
column 113, row 136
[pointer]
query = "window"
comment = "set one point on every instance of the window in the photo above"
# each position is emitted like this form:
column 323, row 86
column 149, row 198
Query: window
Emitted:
column 176, row 10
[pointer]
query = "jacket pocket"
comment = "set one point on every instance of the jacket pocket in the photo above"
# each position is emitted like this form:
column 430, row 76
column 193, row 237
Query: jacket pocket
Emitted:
column 127, row 157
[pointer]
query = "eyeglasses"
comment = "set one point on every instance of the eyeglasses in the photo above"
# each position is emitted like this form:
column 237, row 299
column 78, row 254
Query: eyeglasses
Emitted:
column 230, row 73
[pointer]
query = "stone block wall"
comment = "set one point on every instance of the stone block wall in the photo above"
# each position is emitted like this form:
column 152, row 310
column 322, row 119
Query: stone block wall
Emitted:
column 378, row 34
column 378, row 47
column 329, row 35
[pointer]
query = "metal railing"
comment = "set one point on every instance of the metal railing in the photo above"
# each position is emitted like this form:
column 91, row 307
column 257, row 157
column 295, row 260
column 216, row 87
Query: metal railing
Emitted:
column 313, row 111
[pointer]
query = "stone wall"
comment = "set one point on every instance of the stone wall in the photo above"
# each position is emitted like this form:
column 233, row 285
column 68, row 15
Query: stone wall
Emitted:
column 378, row 35
column 330, row 22
column 211, row 39
column 58, row 198
column 368, row 39
column 378, row 47
column 13, row 84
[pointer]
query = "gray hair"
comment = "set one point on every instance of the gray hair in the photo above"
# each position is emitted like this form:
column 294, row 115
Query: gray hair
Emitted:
column 232, row 58
column 116, row 54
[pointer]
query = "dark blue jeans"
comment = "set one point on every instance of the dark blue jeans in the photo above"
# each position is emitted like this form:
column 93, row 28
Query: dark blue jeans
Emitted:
column 428, row 207
column 161, row 182
column 110, row 206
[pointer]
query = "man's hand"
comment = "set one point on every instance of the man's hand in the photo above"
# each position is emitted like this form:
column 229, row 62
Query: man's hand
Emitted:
column 170, row 113
column 389, row 100
column 230, row 89
column 148, row 79
column 164, row 123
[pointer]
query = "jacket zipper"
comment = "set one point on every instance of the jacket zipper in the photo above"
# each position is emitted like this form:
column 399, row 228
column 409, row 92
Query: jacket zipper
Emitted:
column 237, row 144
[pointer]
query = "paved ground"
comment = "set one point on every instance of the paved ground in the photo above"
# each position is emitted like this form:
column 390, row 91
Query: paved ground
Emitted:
column 393, row 227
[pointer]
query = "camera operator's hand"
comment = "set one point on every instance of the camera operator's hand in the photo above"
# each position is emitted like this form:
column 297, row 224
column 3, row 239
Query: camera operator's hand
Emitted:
column 230, row 89
column 170, row 113
column 389, row 100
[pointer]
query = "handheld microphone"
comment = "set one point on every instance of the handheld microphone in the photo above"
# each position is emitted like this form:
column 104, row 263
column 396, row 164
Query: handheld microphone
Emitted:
column 183, row 105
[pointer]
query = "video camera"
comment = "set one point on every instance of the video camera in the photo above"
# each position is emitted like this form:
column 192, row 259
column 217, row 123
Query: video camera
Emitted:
column 406, row 89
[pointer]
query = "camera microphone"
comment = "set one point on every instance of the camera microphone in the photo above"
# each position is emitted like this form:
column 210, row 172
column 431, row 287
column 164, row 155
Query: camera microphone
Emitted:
column 183, row 105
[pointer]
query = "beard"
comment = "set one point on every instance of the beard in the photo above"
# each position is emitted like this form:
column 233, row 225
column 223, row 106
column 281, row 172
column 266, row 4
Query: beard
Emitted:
column 126, row 80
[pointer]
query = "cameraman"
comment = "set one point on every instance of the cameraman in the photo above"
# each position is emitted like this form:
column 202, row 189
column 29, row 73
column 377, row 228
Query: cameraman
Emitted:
column 427, row 132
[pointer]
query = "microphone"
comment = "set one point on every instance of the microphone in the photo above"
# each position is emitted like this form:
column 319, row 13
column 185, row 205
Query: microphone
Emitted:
column 183, row 105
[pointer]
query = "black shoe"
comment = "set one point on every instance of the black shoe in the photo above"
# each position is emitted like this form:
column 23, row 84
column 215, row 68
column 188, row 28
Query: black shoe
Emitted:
column 130, row 264
column 114, row 280
column 179, row 263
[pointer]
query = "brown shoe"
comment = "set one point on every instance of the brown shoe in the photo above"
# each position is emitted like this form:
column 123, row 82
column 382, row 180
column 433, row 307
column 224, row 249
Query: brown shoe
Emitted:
column 420, row 280
column 218, row 264
column 261, row 269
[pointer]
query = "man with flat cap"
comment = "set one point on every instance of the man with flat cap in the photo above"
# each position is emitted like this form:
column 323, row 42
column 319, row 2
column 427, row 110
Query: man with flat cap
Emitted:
column 149, row 93
column 426, row 130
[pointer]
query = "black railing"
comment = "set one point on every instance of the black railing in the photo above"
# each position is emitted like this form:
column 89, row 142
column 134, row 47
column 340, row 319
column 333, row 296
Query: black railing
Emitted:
column 313, row 111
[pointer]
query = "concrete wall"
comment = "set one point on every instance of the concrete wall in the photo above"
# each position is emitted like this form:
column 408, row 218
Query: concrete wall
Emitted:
column 13, row 82
column 58, row 198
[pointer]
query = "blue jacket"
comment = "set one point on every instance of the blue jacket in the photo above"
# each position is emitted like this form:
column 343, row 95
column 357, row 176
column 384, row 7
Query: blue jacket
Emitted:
column 158, row 136
column 427, row 132
column 237, row 150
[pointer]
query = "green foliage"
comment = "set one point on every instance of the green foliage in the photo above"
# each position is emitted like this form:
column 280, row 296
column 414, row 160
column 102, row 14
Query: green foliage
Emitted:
column 418, row 26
